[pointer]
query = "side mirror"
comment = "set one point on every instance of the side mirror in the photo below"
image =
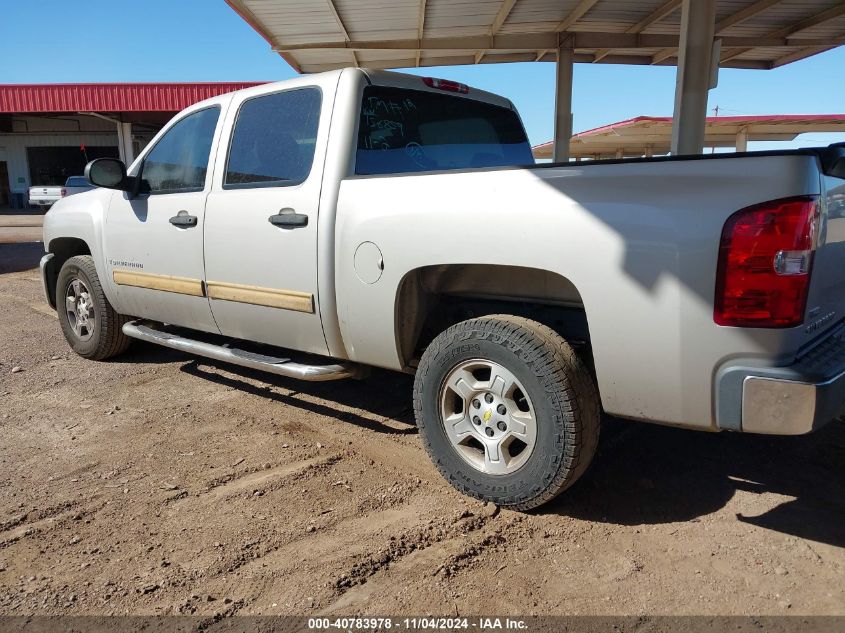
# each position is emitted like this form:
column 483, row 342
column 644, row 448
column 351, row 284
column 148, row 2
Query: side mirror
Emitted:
column 109, row 173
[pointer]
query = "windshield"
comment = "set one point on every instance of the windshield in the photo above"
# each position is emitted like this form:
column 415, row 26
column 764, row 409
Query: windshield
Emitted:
column 405, row 130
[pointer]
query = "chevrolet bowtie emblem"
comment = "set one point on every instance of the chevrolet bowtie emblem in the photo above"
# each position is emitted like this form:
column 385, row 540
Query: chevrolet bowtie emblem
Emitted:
column 487, row 415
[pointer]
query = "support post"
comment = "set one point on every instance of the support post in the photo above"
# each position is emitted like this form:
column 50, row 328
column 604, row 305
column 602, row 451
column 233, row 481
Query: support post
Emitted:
column 563, row 101
column 124, row 142
column 693, row 80
column 742, row 140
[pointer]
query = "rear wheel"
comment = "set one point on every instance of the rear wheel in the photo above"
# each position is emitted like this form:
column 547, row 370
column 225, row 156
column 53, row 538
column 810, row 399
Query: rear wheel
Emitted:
column 88, row 321
column 507, row 410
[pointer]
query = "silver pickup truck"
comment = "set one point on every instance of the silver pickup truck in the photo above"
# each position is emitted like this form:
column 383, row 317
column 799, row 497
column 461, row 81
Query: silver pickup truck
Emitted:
column 379, row 219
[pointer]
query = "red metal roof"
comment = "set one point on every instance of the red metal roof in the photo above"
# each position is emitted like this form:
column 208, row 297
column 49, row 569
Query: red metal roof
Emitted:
column 748, row 119
column 633, row 135
column 110, row 97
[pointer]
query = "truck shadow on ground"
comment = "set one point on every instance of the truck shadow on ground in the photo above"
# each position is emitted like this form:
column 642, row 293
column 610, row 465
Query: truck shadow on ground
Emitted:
column 20, row 256
column 386, row 396
column 642, row 474
column 647, row 474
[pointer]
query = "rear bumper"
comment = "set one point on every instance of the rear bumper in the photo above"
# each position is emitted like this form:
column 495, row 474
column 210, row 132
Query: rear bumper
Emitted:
column 791, row 400
column 786, row 407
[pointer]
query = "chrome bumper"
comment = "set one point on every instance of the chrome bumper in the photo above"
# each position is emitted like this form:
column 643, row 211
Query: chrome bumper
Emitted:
column 45, row 267
column 785, row 407
column 789, row 400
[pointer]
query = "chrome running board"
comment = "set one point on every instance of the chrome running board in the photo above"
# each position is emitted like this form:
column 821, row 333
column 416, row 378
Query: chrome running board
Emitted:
column 144, row 331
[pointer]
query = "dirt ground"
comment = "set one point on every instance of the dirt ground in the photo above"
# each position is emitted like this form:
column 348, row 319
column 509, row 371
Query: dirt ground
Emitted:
column 159, row 484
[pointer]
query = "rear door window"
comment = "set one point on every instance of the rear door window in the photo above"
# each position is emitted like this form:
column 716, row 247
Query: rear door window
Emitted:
column 274, row 139
column 403, row 130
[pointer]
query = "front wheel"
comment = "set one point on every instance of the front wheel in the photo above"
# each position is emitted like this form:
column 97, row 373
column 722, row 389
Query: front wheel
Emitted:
column 507, row 410
column 88, row 321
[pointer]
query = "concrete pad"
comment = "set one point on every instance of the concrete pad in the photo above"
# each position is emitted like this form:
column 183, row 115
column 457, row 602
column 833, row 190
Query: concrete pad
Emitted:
column 19, row 234
column 21, row 220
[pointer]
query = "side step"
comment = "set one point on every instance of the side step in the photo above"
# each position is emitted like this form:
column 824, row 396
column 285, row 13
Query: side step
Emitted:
column 144, row 331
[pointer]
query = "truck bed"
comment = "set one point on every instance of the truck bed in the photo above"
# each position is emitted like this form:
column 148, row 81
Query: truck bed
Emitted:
column 638, row 240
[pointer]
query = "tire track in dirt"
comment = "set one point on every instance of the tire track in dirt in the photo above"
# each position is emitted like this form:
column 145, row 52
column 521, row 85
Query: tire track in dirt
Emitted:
column 38, row 522
column 235, row 484
column 261, row 568
column 266, row 577
column 440, row 546
column 341, row 539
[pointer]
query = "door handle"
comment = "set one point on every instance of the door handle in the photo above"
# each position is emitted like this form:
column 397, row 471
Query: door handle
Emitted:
column 289, row 219
column 183, row 219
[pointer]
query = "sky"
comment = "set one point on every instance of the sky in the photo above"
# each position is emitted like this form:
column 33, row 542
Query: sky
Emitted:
column 204, row 40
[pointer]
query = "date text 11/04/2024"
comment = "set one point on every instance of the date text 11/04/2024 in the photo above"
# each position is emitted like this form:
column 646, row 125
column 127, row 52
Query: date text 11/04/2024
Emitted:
column 417, row 624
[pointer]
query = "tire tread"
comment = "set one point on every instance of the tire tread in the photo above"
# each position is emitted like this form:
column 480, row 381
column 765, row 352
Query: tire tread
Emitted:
column 112, row 341
column 567, row 384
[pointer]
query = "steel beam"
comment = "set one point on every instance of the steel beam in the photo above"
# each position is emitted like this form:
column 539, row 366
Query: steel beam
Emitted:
column 534, row 42
column 663, row 11
column 563, row 101
column 742, row 140
column 504, row 11
column 124, row 143
column 827, row 15
column 420, row 28
column 580, row 10
column 724, row 24
column 698, row 22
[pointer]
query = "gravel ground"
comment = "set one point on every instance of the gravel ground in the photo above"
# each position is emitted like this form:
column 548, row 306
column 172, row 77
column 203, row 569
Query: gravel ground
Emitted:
column 160, row 484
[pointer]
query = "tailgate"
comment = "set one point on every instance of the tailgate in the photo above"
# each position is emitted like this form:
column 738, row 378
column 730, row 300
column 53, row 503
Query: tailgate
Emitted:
column 44, row 193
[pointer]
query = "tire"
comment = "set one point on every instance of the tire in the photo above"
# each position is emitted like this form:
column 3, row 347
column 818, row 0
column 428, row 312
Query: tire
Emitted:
column 551, row 385
column 91, row 327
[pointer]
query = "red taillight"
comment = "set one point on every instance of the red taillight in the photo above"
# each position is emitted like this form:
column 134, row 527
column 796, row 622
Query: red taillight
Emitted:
column 445, row 84
column 64, row 192
column 765, row 260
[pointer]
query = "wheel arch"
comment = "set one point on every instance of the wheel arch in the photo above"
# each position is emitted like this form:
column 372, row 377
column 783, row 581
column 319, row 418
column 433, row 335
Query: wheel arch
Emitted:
column 62, row 248
column 429, row 299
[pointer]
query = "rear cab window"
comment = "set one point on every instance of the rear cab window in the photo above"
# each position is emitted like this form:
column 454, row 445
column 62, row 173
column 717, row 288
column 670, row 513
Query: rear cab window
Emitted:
column 274, row 139
column 403, row 130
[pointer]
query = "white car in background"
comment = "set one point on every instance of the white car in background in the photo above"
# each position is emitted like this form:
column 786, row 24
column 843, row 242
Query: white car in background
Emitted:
column 45, row 197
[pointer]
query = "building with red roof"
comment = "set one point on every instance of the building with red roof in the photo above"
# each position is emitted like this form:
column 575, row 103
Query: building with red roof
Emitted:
column 48, row 132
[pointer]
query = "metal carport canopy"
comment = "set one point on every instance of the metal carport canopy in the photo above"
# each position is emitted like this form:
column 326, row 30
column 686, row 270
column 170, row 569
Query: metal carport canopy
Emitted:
column 317, row 35
column 652, row 135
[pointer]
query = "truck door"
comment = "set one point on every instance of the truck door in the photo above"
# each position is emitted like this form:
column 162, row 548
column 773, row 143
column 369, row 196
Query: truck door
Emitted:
column 153, row 242
column 261, row 219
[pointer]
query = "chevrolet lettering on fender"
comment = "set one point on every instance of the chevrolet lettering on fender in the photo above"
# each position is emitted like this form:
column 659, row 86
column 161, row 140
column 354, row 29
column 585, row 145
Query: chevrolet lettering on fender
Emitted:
column 375, row 219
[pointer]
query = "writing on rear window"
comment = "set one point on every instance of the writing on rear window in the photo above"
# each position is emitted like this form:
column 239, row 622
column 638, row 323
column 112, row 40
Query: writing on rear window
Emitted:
column 403, row 130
